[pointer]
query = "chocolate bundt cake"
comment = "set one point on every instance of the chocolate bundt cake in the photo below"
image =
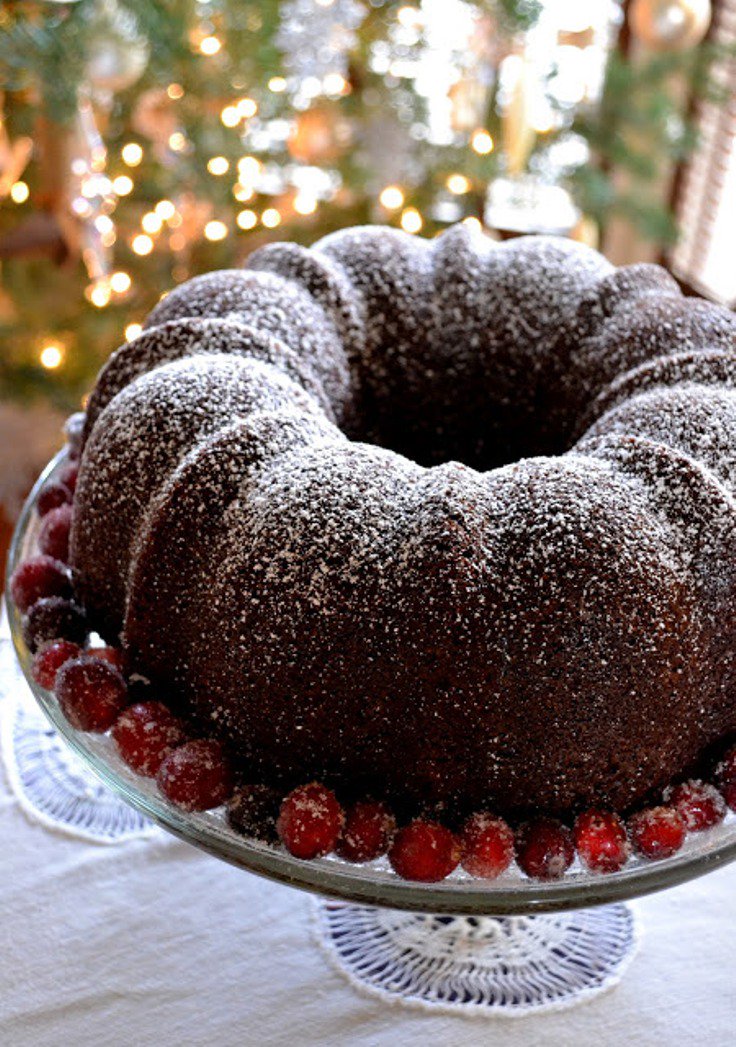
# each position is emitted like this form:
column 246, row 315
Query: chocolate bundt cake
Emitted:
column 448, row 522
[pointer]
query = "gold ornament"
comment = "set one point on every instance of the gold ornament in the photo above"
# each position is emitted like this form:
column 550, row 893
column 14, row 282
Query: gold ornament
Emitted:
column 319, row 135
column 468, row 103
column 670, row 25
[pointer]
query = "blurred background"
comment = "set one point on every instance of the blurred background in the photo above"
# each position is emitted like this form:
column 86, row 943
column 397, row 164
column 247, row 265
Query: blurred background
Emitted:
column 143, row 142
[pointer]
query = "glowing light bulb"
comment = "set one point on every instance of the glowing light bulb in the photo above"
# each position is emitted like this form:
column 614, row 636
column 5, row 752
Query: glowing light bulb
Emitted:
column 120, row 282
column 247, row 107
column 215, row 230
column 242, row 193
column 175, row 91
column 132, row 331
column 334, row 84
column 411, row 220
column 210, row 45
column 51, row 357
column 19, row 192
column 391, row 197
column 230, row 116
column 482, row 142
column 99, row 296
column 473, row 223
column 458, row 184
column 177, row 142
column 142, row 244
column 104, row 224
column 304, row 204
column 165, row 210
column 122, row 185
column 277, row 84
column 150, row 222
column 271, row 218
column 132, row 154
column 247, row 219
column 248, row 168
column 218, row 165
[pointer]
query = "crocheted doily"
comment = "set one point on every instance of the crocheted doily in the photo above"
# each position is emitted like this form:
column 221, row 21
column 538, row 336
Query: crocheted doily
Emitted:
column 492, row 966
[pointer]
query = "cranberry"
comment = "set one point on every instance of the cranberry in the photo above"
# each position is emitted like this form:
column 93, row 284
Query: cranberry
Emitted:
column 196, row 776
column 54, row 618
column 41, row 576
column 601, row 840
column 424, row 851
column 50, row 658
column 729, row 795
column 310, row 821
column 368, row 831
column 145, row 734
column 91, row 694
column 657, row 832
column 68, row 476
column 51, row 496
column 544, row 849
column 253, row 811
column 487, row 846
column 53, row 538
column 113, row 655
column 699, row 805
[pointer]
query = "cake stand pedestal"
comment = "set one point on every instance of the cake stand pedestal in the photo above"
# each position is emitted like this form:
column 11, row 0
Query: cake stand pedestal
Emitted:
column 506, row 965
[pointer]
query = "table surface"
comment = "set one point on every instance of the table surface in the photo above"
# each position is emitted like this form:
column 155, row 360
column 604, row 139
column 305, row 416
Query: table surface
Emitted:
column 150, row 941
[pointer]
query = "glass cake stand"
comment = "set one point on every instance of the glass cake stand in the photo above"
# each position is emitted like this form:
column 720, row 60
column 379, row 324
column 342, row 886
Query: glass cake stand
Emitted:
column 509, row 946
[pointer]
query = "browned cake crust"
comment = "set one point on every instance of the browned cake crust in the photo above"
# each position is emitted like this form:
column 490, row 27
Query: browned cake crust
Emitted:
column 272, row 509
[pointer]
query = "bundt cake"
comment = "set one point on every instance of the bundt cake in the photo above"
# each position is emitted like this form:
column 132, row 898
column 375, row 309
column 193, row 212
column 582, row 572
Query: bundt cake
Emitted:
column 449, row 522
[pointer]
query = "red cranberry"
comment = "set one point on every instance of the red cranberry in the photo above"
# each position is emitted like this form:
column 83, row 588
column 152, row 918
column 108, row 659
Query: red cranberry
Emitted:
column 53, row 538
column 50, row 658
column 424, row 851
column 68, row 476
column 91, row 694
column 699, row 805
column 726, row 770
column 41, row 576
column 544, row 849
column 601, row 840
column 657, row 832
column 54, row 618
column 487, row 846
column 196, row 776
column 113, row 655
column 145, row 734
column 253, row 811
column 368, row 831
column 310, row 821
column 51, row 496
column 729, row 795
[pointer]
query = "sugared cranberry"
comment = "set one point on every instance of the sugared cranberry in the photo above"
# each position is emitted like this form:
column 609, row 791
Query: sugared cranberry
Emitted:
column 54, row 618
column 424, row 851
column 544, row 849
column 310, row 821
column 253, row 811
column 602, row 841
column 68, row 476
column 53, row 537
column 487, row 846
column 726, row 769
column 51, row 496
column 368, row 831
column 196, row 776
column 113, row 655
column 145, row 734
column 657, row 832
column 38, row 577
column 699, row 805
column 91, row 694
column 50, row 658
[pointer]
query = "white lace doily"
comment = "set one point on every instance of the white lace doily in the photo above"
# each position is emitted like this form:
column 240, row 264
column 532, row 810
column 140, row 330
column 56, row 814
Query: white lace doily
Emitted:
column 482, row 966
column 52, row 785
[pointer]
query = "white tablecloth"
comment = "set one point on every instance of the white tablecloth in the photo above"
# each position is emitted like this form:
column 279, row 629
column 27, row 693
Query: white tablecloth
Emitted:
column 150, row 942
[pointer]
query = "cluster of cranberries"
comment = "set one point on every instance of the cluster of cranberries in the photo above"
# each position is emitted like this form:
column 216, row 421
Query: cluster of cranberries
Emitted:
column 92, row 691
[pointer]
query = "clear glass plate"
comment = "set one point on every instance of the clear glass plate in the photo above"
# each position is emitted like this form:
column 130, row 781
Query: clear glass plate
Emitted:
column 375, row 883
